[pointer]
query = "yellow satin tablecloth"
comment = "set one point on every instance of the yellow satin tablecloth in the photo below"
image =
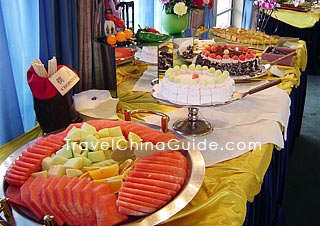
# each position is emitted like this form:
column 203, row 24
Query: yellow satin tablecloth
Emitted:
column 227, row 185
column 295, row 18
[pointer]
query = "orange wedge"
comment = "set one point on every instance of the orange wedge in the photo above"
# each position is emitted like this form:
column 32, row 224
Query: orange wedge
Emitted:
column 104, row 172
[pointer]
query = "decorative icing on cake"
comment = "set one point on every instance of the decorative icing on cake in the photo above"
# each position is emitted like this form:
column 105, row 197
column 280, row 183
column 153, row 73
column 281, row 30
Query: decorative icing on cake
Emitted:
column 237, row 60
column 196, row 85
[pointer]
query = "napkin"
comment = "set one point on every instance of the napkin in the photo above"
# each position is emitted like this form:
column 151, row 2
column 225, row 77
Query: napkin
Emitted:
column 96, row 104
column 41, row 87
column 252, row 119
column 144, row 82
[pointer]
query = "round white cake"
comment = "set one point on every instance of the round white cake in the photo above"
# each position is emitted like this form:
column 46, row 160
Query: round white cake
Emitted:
column 196, row 85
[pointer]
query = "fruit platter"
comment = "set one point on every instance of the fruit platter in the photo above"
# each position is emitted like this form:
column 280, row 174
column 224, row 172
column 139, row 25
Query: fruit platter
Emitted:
column 72, row 176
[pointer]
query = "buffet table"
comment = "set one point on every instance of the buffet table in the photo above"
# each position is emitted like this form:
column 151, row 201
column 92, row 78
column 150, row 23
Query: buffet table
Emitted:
column 303, row 25
column 227, row 195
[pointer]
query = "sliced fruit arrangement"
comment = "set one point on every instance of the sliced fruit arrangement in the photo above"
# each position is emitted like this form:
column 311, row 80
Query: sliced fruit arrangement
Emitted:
column 70, row 200
column 71, row 176
column 152, row 183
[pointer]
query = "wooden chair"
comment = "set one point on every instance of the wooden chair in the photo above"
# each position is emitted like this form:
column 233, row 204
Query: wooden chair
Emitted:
column 127, row 13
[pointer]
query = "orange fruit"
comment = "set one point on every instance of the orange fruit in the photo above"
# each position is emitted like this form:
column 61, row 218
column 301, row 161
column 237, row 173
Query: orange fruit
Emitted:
column 111, row 39
column 128, row 33
column 121, row 36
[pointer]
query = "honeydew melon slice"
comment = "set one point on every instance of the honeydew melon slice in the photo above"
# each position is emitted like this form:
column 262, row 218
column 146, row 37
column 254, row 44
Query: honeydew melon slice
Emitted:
column 47, row 162
column 103, row 132
column 86, row 162
column 92, row 142
column 115, row 131
column 107, row 162
column 43, row 173
column 96, row 156
column 134, row 139
column 56, row 170
column 74, row 134
column 73, row 173
column 59, row 160
column 65, row 152
column 74, row 163
column 88, row 127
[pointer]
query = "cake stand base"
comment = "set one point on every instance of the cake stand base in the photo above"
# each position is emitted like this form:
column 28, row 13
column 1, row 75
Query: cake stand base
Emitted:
column 197, row 128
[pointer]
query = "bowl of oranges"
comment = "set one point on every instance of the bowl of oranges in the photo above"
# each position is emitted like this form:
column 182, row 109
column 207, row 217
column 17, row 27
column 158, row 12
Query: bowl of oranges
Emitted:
column 121, row 38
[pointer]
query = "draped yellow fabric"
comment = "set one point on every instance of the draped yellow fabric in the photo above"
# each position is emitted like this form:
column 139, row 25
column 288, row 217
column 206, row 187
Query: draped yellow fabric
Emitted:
column 227, row 185
column 295, row 18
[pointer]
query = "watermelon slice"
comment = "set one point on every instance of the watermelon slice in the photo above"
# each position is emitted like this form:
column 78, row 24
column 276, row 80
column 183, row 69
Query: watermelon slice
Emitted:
column 13, row 193
column 13, row 181
column 138, row 202
column 35, row 195
column 157, row 176
column 157, row 183
column 60, row 194
column 68, row 196
column 164, row 161
column 151, row 188
column 158, row 168
column 136, row 207
column 39, row 151
column 33, row 155
column 45, row 202
column 171, row 154
column 106, row 211
column 53, row 202
column 53, row 138
column 77, row 197
column 166, row 137
column 127, row 211
column 98, row 191
column 21, row 169
column 9, row 174
column 47, row 144
column 149, row 194
column 30, row 160
column 157, row 202
column 25, row 191
column 34, row 167
column 20, row 173
column 87, row 203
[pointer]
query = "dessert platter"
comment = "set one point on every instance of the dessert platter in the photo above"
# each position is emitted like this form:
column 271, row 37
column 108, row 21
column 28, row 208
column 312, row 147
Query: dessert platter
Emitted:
column 71, row 177
column 302, row 7
column 185, row 50
column 245, row 36
column 198, row 86
column 242, row 63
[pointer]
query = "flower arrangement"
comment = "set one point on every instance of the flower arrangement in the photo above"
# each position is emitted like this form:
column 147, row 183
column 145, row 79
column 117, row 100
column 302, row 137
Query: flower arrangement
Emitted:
column 182, row 7
column 266, row 8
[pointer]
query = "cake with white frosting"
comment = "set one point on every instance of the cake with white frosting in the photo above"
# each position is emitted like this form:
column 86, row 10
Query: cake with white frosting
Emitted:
column 196, row 85
column 235, row 59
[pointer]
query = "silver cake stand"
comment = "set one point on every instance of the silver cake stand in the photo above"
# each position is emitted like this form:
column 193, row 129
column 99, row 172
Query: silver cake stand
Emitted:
column 192, row 125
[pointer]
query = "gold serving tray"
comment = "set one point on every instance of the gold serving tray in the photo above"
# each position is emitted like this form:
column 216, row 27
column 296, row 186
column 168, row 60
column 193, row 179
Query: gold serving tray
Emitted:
column 193, row 182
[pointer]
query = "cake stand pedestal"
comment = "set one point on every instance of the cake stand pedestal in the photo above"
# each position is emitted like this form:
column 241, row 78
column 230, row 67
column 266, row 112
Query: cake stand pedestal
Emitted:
column 192, row 126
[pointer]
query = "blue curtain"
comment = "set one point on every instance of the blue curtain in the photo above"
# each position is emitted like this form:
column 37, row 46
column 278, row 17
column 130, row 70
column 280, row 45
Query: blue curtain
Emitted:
column 58, row 31
column 247, row 14
column 146, row 13
column 19, row 45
